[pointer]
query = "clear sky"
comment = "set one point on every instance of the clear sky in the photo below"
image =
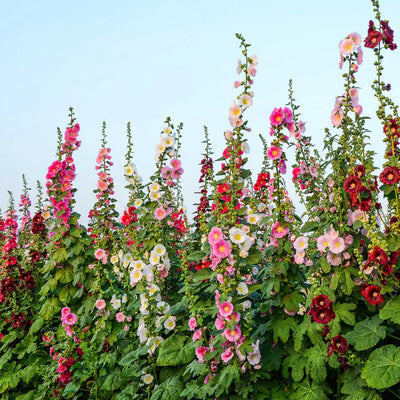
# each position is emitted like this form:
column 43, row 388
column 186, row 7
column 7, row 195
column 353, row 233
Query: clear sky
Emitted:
column 120, row 61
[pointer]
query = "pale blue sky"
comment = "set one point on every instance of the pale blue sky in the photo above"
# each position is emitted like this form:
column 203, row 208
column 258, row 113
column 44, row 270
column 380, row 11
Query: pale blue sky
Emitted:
column 141, row 61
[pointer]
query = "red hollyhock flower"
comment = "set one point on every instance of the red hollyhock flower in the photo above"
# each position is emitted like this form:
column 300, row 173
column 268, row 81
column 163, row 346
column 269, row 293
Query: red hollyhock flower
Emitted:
column 339, row 344
column 390, row 176
column 388, row 35
column 321, row 301
column 373, row 39
column 352, row 184
column 378, row 255
column 323, row 315
column 126, row 219
column 387, row 269
column 391, row 128
column 223, row 188
column 359, row 170
column 372, row 294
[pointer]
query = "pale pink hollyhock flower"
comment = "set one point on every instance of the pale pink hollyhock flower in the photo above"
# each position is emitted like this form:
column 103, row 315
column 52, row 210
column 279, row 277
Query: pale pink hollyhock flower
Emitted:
column 227, row 355
column 235, row 111
column 126, row 328
column 336, row 245
column 239, row 67
column 356, row 37
column 277, row 117
column 301, row 243
column 120, row 317
column 200, row 353
column 70, row 319
column 360, row 55
column 230, row 269
column 102, row 185
column 323, row 242
column 346, row 255
column 100, row 304
column 233, row 335
column 225, row 309
column 215, row 235
column 346, row 46
column 254, row 60
column 100, row 254
column 91, row 266
column 65, row 311
column 196, row 335
column 348, row 239
column 220, row 279
column 358, row 109
column 192, row 323
column 236, row 84
column 334, row 259
column 274, row 152
column 353, row 93
column 254, row 357
column 278, row 231
column 336, row 117
column 160, row 213
column 222, row 249
column 228, row 134
column 252, row 71
column 219, row 323
column 299, row 257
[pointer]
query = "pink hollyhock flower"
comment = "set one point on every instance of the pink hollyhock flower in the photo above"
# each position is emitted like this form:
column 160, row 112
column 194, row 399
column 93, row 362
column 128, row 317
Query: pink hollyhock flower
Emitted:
column 299, row 257
column 278, row 231
column 296, row 172
column 235, row 315
column 225, row 309
column 236, row 84
column 235, row 111
column 282, row 166
column 336, row 245
column 215, row 235
column 176, row 173
column 233, row 335
column 222, row 249
column 358, row 109
column 227, row 355
column 347, row 46
column 176, row 164
column 166, row 172
column 301, row 243
column 274, row 152
column 192, row 324
column 65, row 311
column 100, row 254
column 160, row 213
column 120, row 317
column 334, row 259
column 323, row 242
column 360, row 55
column 219, row 324
column 336, row 117
column 356, row 37
column 200, row 353
column 100, row 304
column 68, row 330
column 288, row 115
column 277, row 117
column 70, row 319
column 220, row 279
column 196, row 335
column 102, row 185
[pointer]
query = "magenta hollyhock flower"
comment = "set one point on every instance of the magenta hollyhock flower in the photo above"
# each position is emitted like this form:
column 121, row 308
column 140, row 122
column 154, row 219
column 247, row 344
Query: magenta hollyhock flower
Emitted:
column 100, row 304
column 70, row 319
column 225, row 309
column 219, row 324
column 222, row 249
column 282, row 166
column 233, row 335
column 215, row 235
column 176, row 164
column 295, row 172
column 274, row 152
column 197, row 335
column 277, row 117
column 278, row 231
column 288, row 115
column 200, row 353
column 192, row 324
column 227, row 355
column 65, row 311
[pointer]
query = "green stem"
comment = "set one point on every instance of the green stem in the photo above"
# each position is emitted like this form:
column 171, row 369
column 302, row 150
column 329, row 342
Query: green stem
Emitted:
column 394, row 393
column 394, row 337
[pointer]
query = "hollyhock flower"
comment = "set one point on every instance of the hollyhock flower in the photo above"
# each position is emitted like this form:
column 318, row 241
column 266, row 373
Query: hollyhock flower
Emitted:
column 215, row 235
column 170, row 323
column 373, row 39
column 301, row 243
column 197, row 335
column 323, row 315
column 233, row 335
column 378, row 255
column 222, row 249
column 360, row 55
column 200, row 353
column 160, row 213
column 100, row 304
column 115, row 303
column 321, row 301
column 295, row 172
column 236, row 235
column 234, row 316
column 100, row 254
column 245, row 100
column 220, row 324
column 336, row 245
column 352, row 184
column 336, row 117
column 253, row 219
column 392, row 128
column 333, row 259
column 102, row 185
column 70, row 319
column 277, row 117
column 235, row 111
column 192, row 324
column 176, row 164
column 225, row 309
column 282, row 166
column 372, row 294
column 147, row 379
column 254, row 357
column 347, row 46
column 227, row 355
column 299, row 257
column 120, row 317
column 166, row 172
column 390, row 176
column 242, row 289
column 278, row 231
column 65, row 311
column 339, row 344
column 323, row 242
column 274, row 152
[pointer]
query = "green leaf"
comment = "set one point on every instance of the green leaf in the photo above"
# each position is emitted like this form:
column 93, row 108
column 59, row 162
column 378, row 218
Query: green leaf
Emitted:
column 317, row 358
column 382, row 369
column 65, row 275
column 324, row 265
column 71, row 388
column 366, row 334
column 308, row 391
column 391, row 311
column 50, row 307
column 60, row 255
column 281, row 326
column 202, row 274
column 254, row 257
column 175, row 350
column 37, row 325
column 112, row 381
column 347, row 282
column 343, row 312
column 298, row 363
column 229, row 373
column 170, row 389
column 196, row 256
column 291, row 301
column 335, row 278
column 29, row 372
column 309, row 226
column 66, row 294
column 393, row 243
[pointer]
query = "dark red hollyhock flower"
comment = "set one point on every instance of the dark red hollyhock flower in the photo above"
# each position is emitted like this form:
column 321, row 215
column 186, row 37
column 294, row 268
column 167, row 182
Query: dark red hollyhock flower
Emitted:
column 323, row 315
column 390, row 175
column 387, row 269
column 325, row 331
column 378, row 255
column 372, row 294
column 37, row 219
column 35, row 256
column 388, row 35
column 339, row 344
column 373, row 39
column 12, row 260
column 7, row 285
column 391, row 128
column 352, row 184
column 321, row 301
column 359, row 170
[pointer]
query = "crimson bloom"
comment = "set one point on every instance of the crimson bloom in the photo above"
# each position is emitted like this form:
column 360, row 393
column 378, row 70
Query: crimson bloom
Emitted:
column 373, row 39
column 339, row 344
column 390, row 176
column 372, row 294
